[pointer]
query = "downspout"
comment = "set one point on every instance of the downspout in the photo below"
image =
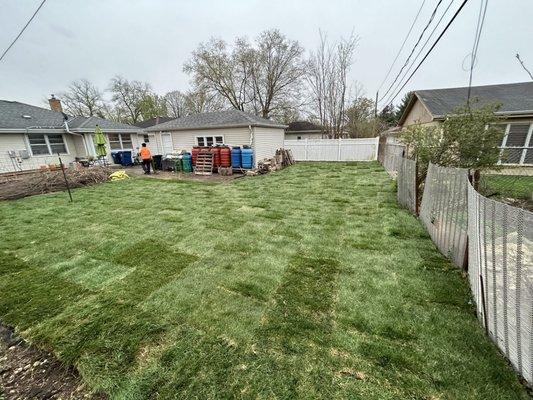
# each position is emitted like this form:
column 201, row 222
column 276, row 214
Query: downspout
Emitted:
column 252, row 144
column 79, row 134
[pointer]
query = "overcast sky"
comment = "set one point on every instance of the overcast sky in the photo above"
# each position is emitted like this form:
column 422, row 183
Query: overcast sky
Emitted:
column 150, row 40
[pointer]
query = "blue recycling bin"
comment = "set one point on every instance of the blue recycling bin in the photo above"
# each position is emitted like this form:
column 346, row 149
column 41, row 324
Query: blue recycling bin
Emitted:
column 127, row 160
column 117, row 157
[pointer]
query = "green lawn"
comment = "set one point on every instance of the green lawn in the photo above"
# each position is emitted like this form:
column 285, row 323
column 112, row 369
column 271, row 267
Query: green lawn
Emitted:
column 512, row 186
column 305, row 283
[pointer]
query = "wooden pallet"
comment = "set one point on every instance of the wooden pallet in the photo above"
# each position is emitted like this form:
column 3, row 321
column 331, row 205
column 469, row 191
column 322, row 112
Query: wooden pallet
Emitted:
column 204, row 164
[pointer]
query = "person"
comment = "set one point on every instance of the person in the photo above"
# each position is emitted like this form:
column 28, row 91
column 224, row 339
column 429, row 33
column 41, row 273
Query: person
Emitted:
column 146, row 158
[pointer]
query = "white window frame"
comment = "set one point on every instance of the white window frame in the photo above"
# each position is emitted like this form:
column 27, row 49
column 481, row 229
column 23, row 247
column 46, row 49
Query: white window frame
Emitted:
column 122, row 148
column 50, row 153
column 204, row 137
column 527, row 144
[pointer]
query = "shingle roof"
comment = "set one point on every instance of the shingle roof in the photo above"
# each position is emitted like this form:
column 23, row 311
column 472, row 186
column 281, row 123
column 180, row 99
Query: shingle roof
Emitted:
column 515, row 98
column 14, row 115
column 304, row 126
column 153, row 121
column 218, row 119
column 89, row 123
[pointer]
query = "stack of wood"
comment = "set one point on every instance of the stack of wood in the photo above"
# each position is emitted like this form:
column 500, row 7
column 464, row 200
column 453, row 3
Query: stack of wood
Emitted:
column 282, row 159
column 51, row 181
column 204, row 163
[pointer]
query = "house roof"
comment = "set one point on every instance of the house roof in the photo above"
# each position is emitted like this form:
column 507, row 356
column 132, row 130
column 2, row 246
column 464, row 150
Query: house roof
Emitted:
column 89, row 123
column 153, row 121
column 304, row 126
column 17, row 116
column 218, row 119
column 515, row 99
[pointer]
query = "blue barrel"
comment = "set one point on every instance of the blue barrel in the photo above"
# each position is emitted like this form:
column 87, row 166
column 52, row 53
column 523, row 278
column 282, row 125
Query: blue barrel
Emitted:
column 236, row 157
column 186, row 162
column 247, row 157
column 126, row 158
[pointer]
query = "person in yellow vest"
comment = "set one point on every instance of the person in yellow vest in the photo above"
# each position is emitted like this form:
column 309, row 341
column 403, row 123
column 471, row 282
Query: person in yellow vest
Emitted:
column 146, row 158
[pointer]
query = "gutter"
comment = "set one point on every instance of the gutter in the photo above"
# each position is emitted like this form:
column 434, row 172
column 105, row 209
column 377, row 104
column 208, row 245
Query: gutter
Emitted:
column 195, row 128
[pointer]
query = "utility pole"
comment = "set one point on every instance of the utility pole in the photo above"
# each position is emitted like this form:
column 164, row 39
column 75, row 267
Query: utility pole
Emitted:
column 376, row 114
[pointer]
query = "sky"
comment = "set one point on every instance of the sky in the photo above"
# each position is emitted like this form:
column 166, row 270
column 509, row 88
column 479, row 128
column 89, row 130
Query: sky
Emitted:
column 151, row 40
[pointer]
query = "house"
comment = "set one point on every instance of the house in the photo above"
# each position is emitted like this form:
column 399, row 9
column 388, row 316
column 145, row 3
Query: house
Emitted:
column 32, row 136
column 430, row 107
column 231, row 127
column 298, row 130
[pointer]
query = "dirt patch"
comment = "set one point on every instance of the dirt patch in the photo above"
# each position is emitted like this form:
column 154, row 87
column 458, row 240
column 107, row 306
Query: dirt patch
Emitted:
column 181, row 176
column 29, row 373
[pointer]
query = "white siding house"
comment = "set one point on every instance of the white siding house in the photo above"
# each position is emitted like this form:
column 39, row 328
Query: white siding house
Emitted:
column 31, row 137
column 232, row 128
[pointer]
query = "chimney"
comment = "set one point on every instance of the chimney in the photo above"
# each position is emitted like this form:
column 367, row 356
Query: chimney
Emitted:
column 55, row 104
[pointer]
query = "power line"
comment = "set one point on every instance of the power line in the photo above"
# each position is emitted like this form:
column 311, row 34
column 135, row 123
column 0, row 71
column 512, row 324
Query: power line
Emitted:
column 477, row 37
column 22, row 31
column 420, row 51
column 414, row 47
column 403, row 44
column 431, row 48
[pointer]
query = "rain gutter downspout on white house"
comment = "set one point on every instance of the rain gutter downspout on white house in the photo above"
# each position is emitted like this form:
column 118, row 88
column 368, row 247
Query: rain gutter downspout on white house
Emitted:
column 252, row 144
column 79, row 134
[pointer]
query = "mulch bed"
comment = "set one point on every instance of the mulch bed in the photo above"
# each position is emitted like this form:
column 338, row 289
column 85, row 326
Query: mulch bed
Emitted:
column 29, row 373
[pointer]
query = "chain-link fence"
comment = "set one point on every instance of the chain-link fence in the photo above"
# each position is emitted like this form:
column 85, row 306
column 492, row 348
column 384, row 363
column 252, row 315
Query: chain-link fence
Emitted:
column 407, row 185
column 495, row 239
column 444, row 210
column 500, row 268
column 391, row 158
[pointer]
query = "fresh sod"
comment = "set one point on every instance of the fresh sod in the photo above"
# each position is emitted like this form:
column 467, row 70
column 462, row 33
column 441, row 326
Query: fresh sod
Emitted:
column 305, row 283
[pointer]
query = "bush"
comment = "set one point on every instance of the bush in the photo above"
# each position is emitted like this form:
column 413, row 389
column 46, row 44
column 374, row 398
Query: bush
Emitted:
column 468, row 138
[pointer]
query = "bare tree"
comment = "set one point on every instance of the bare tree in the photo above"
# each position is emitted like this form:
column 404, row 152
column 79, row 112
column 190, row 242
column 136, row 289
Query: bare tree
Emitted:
column 200, row 101
column 327, row 77
column 218, row 70
column 83, row 99
column 276, row 70
column 262, row 77
column 128, row 97
column 175, row 102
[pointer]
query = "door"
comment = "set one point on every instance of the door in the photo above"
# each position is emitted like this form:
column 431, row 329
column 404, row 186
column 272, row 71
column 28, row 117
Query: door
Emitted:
column 153, row 144
column 166, row 139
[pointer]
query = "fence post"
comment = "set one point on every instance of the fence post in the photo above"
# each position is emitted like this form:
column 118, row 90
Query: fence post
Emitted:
column 306, row 144
column 417, row 190
column 377, row 148
column 339, row 150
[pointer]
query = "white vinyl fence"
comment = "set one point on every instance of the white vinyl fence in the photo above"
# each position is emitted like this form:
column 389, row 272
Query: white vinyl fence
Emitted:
column 334, row 149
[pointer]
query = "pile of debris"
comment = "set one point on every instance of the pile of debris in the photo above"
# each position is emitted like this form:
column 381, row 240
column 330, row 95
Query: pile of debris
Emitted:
column 282, row 159
column 51, row 181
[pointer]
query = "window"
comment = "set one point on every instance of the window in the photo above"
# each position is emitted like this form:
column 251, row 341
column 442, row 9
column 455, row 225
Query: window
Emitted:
column 517, row 144
column 46, row 144
column 120, row 141
column 299, row 138
column 146, row 139
column 209, row 140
